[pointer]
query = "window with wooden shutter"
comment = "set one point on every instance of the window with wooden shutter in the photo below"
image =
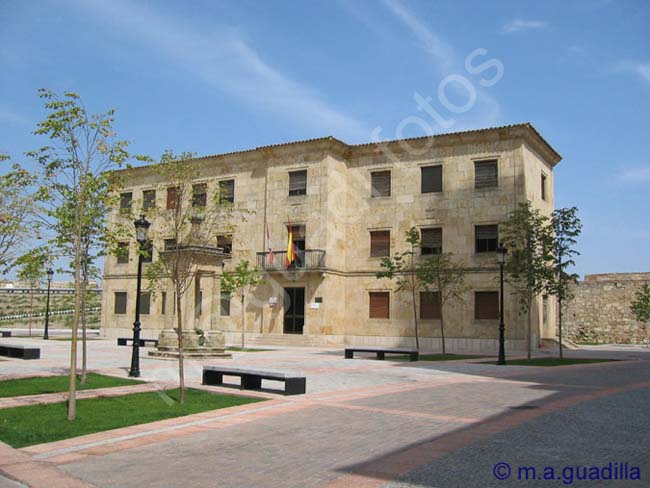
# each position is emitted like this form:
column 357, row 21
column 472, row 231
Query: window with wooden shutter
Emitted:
column 431, row 241
column 486, row 237
column 297, row 183
column 429, row 305
column 125, row 202
column 486, row 174
column 148, row 199
column 227, row 191
column 380, row 182
column 199, row 195
column 145, row 303
column 379, row 305
column 122, row 252
column 120, row 303
column 431, row 179
column 486, row 305
column 172, row 197
column 379, row 243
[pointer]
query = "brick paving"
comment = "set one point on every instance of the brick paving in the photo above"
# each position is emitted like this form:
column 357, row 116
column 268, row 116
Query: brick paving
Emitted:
column 362, row 422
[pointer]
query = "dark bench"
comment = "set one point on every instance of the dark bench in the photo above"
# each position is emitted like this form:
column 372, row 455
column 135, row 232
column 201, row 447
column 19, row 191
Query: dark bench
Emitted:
column 5, row 333
column 251, row 379
column 413, row 354
column 125, row 341
column 22, row 352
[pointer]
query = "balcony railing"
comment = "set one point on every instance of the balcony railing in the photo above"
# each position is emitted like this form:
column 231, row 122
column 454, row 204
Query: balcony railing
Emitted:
column 311, row 259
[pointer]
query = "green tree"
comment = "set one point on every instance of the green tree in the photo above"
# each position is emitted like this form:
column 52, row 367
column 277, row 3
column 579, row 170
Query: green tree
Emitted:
column 641, row 308
column 529, row 265
column 439, row 273
column 240, row 282
column 565, row 227
column 75, row 178
column 31, row 268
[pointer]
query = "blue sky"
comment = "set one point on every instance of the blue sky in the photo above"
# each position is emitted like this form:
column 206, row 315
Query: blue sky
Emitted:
column 215, row 76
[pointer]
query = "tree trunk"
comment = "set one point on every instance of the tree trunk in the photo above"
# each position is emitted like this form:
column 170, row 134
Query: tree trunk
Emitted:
column 84, row 324
column 442, row 323
column 179, row 323
column 528, row 334
column 31, row 309
column 415, row 319
column 560, row 325
column 72, row 392
column 243, row 320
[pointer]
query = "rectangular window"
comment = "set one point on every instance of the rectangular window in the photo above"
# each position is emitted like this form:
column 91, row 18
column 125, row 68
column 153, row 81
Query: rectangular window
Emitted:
column 120, row 303
column 147, row 256
column 379, row 305
column 198, row 303
column 122, row 253
column 169, row 244
column 429, row 305
column 431, row 179
column 145, row 302
column 431, row 241
column 125, row 202
column 163, row 303
column 297, row 183
column 148, row 199
column 486, row 174
column 225, row 243
column 486, row 237
column 486, row 305
column 199, row 195
column 380, row 182
column 545, row 310
column 543, row 183
column 379, row 243
column 225, row 304
column 172, row 197
column 227, row 191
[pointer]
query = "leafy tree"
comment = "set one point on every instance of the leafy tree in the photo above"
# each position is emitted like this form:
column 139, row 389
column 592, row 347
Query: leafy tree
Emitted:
column 565, row 227
column 441, row 274
column 240, row 282
column 16, row 209
column 31, row 268
column 529, row 265
column 641, row 308
column 76, row 188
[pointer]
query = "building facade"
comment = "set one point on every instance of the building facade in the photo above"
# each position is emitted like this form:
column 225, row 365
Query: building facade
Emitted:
column 349, row 206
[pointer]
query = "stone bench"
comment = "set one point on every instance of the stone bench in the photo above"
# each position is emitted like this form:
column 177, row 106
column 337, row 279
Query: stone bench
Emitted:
column 125, row 341
column 5, row 333
column 21, row 352
column 251, row 379
column 413, row 354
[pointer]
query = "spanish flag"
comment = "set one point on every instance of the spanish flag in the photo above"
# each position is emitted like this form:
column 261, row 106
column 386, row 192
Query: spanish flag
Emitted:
column 291, row 249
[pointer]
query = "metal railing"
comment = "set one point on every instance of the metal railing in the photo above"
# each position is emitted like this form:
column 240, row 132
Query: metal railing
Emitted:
column 311, row 259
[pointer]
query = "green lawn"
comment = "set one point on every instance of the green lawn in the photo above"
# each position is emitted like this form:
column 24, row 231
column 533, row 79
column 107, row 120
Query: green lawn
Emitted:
column 553, row 361
column 55, row 384
column 437, row 357
column 37, row 424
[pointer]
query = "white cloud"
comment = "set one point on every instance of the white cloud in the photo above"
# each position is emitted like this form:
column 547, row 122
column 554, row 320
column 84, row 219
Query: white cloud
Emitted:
column 520, row 25
column 635, row 175
column 12, row 118
column 224, row 60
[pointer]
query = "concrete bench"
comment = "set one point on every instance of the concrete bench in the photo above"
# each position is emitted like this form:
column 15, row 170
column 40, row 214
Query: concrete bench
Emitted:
column 21, row 352
column 413, row 354
column 125, row 341
column 5, row 333
column 251, row 379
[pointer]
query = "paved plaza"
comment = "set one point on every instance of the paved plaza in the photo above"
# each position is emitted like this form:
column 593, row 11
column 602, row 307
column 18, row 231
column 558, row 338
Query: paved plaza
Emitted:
column 362, row 423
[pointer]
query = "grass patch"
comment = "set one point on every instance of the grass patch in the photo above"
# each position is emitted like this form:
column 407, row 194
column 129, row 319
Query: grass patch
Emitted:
column 246, row 349
column 56, row 384
column 437, row 357
column 554, row 361
column 37, row 424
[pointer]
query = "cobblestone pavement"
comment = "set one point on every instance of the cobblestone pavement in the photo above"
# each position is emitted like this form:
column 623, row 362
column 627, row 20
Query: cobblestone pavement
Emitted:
column 364, row 423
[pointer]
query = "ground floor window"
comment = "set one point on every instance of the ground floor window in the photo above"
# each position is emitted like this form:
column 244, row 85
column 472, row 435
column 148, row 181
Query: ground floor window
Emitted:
column 486, row 305
column 225, row 304
column 379, row 305
column 145, row 303
column 120, row 303
column 429, row 305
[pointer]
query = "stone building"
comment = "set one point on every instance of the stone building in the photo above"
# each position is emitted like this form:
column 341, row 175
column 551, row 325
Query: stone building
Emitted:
column 349, row 206
column 600, row 309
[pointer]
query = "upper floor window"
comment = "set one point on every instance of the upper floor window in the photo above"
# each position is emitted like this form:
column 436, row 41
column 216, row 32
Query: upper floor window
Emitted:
column 379, row 305
column 122, row 252
column 379, row 243
column 380, row 182
column 431, row 179
column 227, row 191
column 148, row 199
column 125, row 202
column 297, row 183
column 431, row 241
column 486, row 238
column 224, row 241
column 199, row 195
column 543, row 185
column 486, row 305
column 486, row 174
column 169, row 244
column 172, row 197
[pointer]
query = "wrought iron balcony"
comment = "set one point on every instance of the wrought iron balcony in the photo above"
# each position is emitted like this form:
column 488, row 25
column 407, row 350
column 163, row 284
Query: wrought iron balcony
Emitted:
column 309, row 260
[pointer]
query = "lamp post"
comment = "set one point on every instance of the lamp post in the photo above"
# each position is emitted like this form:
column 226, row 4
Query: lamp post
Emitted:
column 141, row 228
column 501, row 257
column 49, row 273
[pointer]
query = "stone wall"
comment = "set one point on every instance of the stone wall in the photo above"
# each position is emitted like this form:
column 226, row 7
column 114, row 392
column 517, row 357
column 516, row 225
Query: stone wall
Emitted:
column 600, row 311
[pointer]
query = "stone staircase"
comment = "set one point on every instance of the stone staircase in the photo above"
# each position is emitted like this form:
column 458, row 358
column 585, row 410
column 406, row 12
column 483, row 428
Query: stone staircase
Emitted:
column 549, row 343
column 295, row 340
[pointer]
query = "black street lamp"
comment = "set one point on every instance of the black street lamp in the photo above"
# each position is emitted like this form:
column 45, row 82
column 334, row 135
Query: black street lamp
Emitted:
column 49, row 273
column 141, row 228
column 501, row 257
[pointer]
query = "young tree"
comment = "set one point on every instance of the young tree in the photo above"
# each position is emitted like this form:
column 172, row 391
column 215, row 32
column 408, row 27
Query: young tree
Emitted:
column 441, row 274
column 641, row 309
column 401, row 268
column 31, row 268
column 76, row 177
column 528, row 267
column 187, row 231
column 240, row 282
column 565, row 227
